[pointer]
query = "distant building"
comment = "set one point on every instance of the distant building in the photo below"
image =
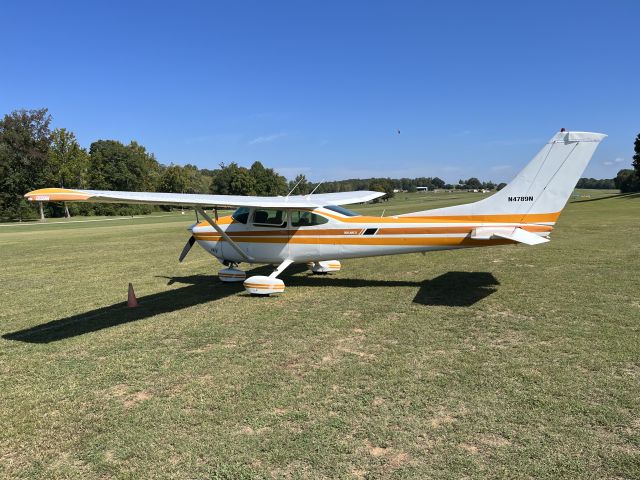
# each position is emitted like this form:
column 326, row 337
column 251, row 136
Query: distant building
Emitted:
column 422, row 189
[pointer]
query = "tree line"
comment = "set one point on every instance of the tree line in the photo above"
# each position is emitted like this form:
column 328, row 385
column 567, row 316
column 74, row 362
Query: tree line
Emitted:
column 33, row 155
column 628, row 180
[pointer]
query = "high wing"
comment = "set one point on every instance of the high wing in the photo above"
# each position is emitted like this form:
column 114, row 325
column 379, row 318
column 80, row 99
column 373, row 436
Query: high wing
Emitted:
column 198, row 200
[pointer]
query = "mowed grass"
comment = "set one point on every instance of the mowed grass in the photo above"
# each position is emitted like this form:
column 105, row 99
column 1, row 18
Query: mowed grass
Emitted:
column 503, row 362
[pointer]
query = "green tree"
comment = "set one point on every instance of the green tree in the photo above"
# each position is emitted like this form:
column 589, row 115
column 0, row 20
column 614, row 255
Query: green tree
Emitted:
column 636, row 155
column 145, row 165
column 25, row 138
column 196, row 181
column 474, row 183
column 233, row 180
column 68, row 162
column 626, row 181
column 633, row 185
column 174, row 180
column 302, row 188
column 382, row 185
column 115, row 166
column 501, row 186
column 438, row 182
column 268, row 181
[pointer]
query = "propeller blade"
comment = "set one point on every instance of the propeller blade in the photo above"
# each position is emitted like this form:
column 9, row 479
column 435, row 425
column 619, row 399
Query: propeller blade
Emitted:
column 187, row 247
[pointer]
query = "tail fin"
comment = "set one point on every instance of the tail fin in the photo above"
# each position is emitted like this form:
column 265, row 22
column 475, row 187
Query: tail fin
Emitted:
column 541, row 190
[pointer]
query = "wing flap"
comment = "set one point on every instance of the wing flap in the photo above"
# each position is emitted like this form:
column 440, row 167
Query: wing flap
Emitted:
column 199, row 200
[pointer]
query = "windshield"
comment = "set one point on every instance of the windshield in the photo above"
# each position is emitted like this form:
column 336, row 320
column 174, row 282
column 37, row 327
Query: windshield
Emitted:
column 241, row 215
column 342, row 210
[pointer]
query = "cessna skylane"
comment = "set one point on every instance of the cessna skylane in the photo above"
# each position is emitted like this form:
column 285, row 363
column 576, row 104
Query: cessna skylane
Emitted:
column 317, row 230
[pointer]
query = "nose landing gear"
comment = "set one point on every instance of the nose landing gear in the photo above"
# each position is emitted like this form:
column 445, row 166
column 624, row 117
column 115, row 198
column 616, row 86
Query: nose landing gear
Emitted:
column 232, row 274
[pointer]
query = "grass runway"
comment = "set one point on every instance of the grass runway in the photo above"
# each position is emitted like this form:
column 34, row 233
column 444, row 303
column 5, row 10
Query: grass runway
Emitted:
column 503, row 362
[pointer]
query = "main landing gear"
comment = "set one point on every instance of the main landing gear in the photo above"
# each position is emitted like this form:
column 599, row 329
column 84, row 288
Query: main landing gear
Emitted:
column 262, row 285
column 266, row 285
column 322, row 268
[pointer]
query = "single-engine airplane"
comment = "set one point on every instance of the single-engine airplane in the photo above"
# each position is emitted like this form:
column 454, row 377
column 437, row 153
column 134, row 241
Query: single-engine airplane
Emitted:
column 316, row 229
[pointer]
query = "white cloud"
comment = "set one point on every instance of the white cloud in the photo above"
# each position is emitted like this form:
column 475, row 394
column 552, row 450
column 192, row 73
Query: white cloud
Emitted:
column 608, row 163
column 267, row 138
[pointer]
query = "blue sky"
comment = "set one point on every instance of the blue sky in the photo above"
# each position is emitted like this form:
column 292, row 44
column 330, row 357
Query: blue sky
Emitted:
column 320, row 88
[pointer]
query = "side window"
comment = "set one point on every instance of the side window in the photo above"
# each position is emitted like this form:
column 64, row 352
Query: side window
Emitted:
column 269, row 218
column 304, row 218
column 241, row 215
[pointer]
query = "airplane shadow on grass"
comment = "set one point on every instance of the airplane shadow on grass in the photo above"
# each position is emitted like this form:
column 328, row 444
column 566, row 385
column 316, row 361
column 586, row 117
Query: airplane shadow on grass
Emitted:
column 452, row 289
column 627, row 196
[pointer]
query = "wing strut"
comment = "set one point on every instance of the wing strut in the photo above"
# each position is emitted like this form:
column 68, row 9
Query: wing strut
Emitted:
column 217, row 228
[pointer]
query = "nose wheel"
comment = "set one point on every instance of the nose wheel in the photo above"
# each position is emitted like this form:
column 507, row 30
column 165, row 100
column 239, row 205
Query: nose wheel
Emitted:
column 232, row 274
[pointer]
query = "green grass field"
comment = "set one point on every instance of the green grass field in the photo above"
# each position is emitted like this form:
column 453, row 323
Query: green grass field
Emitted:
column 504, row 362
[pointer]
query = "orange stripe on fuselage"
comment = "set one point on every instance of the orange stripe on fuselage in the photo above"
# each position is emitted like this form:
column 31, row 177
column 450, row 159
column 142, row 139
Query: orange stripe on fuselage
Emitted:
column 370, row 240
column 453, row 230
column 355, row 233
column 507, row 218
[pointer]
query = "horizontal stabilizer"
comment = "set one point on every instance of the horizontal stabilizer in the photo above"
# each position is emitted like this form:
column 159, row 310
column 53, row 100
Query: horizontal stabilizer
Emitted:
column 516, row 234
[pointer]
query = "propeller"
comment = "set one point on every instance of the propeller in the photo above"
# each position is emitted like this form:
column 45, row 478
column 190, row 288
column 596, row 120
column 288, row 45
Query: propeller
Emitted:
column 187, row 247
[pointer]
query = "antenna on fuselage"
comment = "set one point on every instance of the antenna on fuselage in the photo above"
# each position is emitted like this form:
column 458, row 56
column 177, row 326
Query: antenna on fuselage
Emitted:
column 294, row 187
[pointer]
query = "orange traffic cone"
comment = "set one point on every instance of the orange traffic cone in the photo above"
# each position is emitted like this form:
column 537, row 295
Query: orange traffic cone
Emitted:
column 132, row 301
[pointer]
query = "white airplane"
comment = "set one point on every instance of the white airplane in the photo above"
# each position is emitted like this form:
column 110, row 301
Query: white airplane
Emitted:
column 317, row 230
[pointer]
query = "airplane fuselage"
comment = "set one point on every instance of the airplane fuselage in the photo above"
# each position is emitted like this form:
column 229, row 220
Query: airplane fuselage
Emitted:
column 342, row 236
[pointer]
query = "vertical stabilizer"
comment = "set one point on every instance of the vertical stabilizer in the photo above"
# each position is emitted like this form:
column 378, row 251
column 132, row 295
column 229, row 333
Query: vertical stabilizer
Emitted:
column 542, row 187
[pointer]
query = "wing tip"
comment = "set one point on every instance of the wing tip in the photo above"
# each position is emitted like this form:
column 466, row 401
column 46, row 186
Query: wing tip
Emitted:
column 56, row 195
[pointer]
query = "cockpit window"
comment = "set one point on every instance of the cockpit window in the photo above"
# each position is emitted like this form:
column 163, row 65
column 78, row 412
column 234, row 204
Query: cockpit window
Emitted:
column 304, row 218
column 342, row 210
column 241, row 215
column 269, row 217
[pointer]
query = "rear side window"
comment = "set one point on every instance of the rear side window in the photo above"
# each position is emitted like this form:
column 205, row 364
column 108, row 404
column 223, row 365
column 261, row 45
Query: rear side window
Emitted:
column 342, row 210
column 269, row 217
column 304, row 218
column 241, row 215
